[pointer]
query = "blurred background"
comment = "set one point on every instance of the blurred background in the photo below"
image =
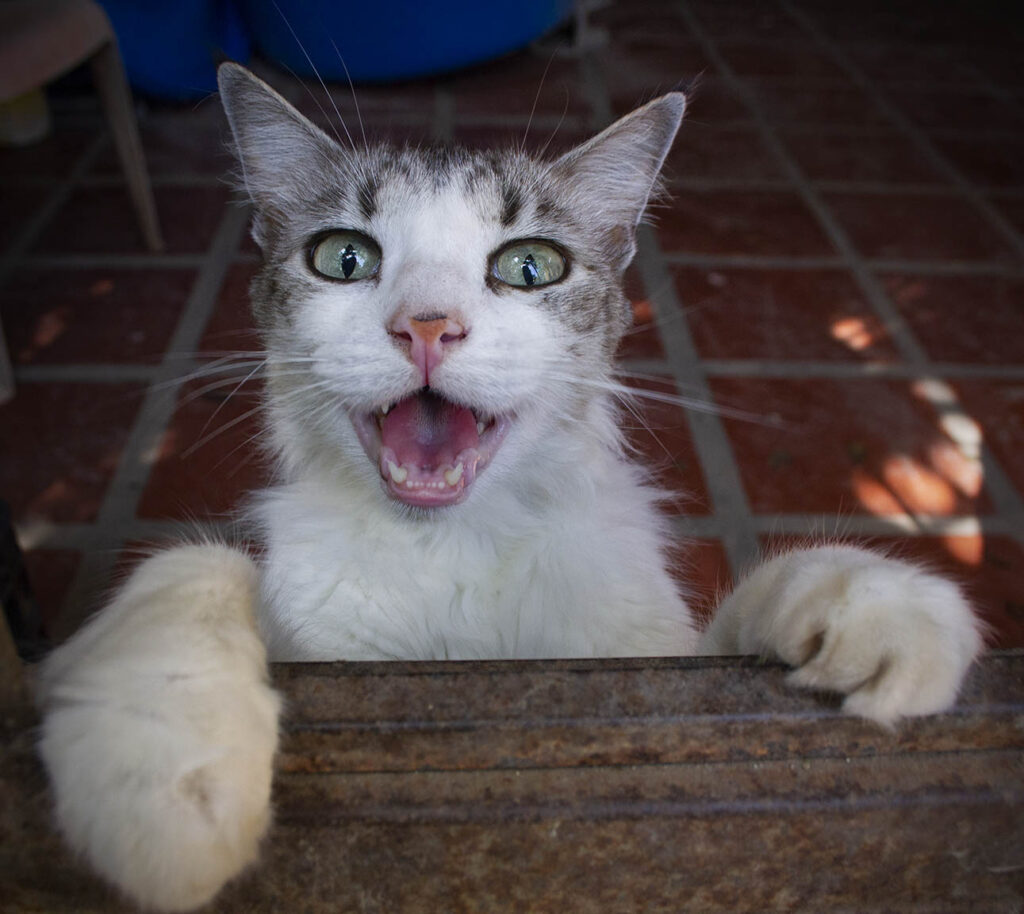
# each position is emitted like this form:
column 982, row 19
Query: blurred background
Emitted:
column 836, row 289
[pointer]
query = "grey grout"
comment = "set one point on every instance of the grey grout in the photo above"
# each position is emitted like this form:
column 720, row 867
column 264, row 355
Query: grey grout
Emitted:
column 15, row 253
column 951, row 413
column 721, row 471
column 909, row 129
column 724, row 485
column 953, row 417
column 117, row 512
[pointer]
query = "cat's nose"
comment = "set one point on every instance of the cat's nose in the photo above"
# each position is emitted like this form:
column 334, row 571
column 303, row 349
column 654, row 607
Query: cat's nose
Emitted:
column 427, row 338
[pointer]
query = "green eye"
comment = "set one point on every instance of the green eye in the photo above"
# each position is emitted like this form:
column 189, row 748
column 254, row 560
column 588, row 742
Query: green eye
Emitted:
column 345, row 256
column 529, row 263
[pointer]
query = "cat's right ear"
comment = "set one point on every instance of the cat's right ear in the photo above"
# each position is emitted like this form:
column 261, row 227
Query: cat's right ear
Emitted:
column 281, row 152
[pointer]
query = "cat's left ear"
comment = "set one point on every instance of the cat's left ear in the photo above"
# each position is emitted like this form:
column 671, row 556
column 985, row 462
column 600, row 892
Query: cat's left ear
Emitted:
column 612, row 176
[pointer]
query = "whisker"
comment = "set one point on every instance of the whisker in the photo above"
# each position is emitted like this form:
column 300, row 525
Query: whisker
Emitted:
column 352, row 89
column 323, row 85
column 536, row 98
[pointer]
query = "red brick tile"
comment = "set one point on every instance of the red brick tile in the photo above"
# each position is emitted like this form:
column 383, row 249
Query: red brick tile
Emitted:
column 88, row 316
column 18, row 204
column 828, row 105
column 867, row 157
column 987, row 163
column 102, row 220
column 963, row 318
column 990, row 569
column 761, row 58
column 741, row 222
column 231, row 327
column 1011, row 209
column 710, row 151
column 208, row 460
column 52, row 157
column 49, row 574
column 548, row 140
column 513, row 84
column 951, row 109
column 649, row 24
column 843, row 447
column 918, row 227
column 380, row 129
column 710, row 101
column 702, row 569
column 661, row 435
column 913, row 61
column 373, row 102
column 998, row 407
column 634, row 76
column 641, row 340
column 62, row 444
column 780, row 314
column 748, row 21
column 187, row 141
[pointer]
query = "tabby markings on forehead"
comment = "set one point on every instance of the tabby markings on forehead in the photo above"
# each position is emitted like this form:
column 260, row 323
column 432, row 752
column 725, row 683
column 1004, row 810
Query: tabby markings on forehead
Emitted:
column 366, row 195
column 511, row 204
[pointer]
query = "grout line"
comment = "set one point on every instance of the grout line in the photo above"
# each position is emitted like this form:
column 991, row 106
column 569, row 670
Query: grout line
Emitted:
column 721, row 471
column 909, row 129
column 15, row 253
column 96, row 373
column 767, row 368
column 725, row 485
column 953, row 417
column 116, row 261
column 117, row 513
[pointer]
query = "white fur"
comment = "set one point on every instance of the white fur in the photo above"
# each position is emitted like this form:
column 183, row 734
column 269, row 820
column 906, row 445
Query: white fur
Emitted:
column 160, row 726
column 893, row 638
column 161, row 729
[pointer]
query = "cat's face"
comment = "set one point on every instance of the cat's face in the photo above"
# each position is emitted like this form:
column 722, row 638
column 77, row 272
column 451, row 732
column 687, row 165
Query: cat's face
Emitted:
column 432, row 313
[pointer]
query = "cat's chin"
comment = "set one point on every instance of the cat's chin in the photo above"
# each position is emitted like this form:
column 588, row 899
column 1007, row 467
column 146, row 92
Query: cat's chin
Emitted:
column 429, row 450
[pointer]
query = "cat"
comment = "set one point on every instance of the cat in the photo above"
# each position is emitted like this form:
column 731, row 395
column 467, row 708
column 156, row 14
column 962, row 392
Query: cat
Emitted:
column 452, row 483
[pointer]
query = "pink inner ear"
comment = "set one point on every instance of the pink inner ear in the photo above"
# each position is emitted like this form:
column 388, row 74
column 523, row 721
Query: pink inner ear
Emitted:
column 428, row 432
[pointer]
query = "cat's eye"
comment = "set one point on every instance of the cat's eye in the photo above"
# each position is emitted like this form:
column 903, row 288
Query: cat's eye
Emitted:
column 345, row 255
column 529, row 263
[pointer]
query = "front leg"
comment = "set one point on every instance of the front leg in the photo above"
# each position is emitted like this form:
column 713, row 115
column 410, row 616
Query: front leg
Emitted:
column 896, row 640
column 160, row 729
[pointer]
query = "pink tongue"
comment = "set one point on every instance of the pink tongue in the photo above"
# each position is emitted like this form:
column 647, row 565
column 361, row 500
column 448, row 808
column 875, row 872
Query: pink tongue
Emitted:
column 428, row 432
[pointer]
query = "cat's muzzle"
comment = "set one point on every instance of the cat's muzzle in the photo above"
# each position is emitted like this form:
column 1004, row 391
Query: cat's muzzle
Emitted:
column 429, row 450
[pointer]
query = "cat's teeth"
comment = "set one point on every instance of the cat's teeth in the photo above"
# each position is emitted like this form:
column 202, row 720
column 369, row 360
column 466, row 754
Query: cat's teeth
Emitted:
column 398, row 474
column 384, row 410
column 480, row 428
column 453, row 475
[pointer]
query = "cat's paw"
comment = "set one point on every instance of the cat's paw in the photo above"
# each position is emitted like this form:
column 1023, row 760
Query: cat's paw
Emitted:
column 160, row 729
column 895, row 639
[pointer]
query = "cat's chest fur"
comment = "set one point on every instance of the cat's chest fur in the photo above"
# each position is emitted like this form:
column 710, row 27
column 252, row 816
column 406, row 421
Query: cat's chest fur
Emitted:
column 345, row 579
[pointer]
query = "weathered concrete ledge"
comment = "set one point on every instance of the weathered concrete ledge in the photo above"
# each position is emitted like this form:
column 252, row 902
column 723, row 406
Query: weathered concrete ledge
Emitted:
column 612, row 786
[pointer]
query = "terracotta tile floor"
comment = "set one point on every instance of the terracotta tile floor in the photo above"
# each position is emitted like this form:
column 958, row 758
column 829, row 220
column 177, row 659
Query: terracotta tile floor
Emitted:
column 840, row 277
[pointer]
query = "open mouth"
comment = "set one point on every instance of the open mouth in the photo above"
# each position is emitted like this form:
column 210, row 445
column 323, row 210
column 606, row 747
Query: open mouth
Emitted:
column 429, row 450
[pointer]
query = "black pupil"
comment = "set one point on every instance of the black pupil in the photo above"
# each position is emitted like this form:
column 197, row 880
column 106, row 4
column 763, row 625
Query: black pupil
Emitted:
column 530, row 272
column 349, row 261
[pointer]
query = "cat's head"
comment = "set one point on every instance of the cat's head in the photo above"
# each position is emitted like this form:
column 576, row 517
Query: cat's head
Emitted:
column 432, row 313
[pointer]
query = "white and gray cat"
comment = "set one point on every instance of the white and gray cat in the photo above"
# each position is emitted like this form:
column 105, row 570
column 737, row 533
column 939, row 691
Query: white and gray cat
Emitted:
column 440, row 327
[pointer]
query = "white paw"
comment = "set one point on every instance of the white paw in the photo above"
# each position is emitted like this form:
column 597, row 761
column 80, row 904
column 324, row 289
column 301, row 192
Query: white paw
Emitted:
column 160, row 730
column 896, row 640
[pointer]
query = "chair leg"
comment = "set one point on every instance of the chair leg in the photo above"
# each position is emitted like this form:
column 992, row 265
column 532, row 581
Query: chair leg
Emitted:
column 117, row 102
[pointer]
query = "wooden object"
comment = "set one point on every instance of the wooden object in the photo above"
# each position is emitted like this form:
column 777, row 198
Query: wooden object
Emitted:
column 606, row 786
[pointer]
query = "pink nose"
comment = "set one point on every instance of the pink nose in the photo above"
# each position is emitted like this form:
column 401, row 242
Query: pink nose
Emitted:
column 426, row 338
